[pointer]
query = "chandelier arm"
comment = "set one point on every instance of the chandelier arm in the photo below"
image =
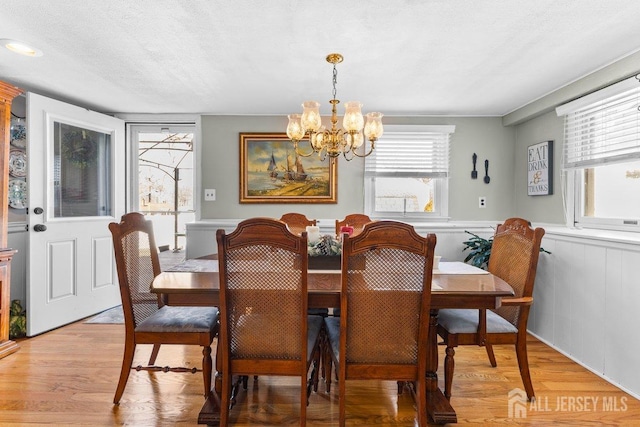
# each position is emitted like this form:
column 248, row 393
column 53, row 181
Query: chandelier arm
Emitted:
column 322, row 154
column 295, row 147
column 348, row 159
column 371, row 148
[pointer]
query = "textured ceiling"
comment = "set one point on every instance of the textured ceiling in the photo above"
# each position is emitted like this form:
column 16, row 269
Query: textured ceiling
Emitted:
column 436, row 57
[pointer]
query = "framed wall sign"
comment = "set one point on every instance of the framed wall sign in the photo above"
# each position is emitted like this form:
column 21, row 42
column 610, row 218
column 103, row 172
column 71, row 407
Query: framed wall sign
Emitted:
column 540, row 169
column 272, row 172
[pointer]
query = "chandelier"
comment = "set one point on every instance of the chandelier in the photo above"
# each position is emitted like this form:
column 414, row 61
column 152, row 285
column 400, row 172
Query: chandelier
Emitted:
column 333, row 142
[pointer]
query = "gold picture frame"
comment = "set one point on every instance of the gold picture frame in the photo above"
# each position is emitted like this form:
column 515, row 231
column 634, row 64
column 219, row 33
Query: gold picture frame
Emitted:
column 272, row 172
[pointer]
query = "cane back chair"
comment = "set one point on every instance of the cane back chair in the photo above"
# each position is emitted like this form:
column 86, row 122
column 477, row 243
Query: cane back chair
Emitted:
column 146, row 319
column 357, row 221
column 297, row 222
column 514, row 259
column 382, row 332
column 264, row 326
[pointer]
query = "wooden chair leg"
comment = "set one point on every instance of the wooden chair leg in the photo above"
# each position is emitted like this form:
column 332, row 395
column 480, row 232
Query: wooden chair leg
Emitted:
column 324, row 342
column 492, row 357
column 154, row 354
column 245, row 381
column 305, row 390
column 327, row 381
column 234, row 388
column 207, row 369
column 225, row 398
column 328, row 365
column 127, row 360
column 420, row 388
column 523, row 363
column 449, row 366
column 342, row 404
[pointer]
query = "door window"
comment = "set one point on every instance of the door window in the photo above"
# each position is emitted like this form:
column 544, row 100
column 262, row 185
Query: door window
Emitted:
column 81, row 172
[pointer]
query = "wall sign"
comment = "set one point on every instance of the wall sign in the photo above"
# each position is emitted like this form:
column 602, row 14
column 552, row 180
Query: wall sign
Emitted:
column 540, row 169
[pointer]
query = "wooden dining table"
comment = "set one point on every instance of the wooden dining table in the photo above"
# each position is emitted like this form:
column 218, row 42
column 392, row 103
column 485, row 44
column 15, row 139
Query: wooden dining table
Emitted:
column 455, row 290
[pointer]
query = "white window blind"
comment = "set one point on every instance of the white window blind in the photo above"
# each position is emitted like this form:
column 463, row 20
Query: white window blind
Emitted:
column 604, row 127
column 418, row 151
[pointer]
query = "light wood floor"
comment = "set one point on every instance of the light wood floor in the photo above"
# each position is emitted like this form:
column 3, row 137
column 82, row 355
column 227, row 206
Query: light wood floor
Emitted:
column 68, row 377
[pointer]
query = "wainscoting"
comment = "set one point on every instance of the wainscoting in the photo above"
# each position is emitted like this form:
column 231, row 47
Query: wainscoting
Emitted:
column 586, row 302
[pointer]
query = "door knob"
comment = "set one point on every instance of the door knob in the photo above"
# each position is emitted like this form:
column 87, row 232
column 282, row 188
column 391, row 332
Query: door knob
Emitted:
column 39, row 227
column 38, row 211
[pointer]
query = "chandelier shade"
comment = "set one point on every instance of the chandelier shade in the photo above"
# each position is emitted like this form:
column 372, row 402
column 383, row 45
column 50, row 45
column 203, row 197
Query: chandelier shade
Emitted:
column 334, row 141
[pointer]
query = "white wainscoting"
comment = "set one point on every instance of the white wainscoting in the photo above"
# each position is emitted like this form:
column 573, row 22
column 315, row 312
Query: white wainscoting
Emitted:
column 587, row 302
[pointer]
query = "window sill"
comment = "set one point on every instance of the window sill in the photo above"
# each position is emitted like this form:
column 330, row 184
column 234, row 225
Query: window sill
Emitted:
column 611, row 236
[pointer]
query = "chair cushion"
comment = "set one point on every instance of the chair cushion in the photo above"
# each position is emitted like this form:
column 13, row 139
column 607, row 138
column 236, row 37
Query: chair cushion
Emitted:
column 465, row 321
column 324, row 312
column 314, row 325
column 332, row 325
column 180, row 319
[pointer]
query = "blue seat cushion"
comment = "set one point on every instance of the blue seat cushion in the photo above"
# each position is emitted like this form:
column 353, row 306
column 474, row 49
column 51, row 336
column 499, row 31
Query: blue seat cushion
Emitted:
column 180, row 319
column 314, row 325
column 465, row 321
column 332, row 325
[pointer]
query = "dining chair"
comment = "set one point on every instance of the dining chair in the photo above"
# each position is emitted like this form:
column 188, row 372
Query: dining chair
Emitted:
column 146, row 319
column 297, row 222
column 514, row 259
column 382, row 333
column 357, row 221
column 264, row 325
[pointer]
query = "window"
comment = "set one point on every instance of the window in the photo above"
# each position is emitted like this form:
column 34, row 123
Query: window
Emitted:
column 163, row 178
column 406, row 176
column 601, row 157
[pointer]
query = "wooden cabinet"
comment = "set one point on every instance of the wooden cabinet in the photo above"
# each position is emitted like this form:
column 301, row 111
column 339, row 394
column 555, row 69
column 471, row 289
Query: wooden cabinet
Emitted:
column 7, row 93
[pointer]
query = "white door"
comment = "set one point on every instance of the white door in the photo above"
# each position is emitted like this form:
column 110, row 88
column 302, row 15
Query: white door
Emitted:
column 76, row 188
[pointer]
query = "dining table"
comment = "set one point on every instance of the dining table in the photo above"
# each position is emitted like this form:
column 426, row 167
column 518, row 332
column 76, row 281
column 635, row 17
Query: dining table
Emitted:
column 195, row 282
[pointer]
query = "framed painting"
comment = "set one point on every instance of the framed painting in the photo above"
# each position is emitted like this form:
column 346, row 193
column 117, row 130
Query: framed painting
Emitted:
column 272, row 172
column 540, row 169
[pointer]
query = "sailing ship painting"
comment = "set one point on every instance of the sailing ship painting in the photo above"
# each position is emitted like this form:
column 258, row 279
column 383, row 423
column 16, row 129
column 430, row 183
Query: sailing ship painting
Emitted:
column 295, row 170
column 272, row 172
column 273, row 168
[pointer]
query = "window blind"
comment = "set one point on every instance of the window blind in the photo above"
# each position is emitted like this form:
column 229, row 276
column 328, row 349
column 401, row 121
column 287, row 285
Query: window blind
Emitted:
column 603, row 131
column 416, row 152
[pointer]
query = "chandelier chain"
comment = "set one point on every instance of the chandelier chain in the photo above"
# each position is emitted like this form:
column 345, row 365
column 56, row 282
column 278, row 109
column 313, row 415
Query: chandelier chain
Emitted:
column 335, row 80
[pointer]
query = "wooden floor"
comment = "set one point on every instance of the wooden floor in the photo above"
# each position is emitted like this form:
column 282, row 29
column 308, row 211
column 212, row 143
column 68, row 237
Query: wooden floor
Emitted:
column 68, row 377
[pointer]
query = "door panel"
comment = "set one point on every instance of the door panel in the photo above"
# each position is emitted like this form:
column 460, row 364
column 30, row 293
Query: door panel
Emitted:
column 76, row 176
column 61, row 263
column 104, row 262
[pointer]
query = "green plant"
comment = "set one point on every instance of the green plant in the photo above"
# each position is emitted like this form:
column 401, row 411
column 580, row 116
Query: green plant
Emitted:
column 17, row 320
column 480, row 250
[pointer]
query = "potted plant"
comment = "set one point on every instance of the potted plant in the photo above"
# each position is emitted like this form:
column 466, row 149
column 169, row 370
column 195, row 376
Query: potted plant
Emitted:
column 480, row 250
column 17, row 320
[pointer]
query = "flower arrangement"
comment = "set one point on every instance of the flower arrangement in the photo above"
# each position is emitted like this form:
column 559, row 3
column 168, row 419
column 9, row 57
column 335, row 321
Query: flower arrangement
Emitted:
column 327, row 245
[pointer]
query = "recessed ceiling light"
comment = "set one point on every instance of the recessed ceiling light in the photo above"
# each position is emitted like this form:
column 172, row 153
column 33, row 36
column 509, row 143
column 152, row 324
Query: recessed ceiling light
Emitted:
column 20, row 47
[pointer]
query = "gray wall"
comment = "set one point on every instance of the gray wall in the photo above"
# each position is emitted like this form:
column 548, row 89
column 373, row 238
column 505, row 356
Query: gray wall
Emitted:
column 547, row 209
column 537, row 122
column 485, row 136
